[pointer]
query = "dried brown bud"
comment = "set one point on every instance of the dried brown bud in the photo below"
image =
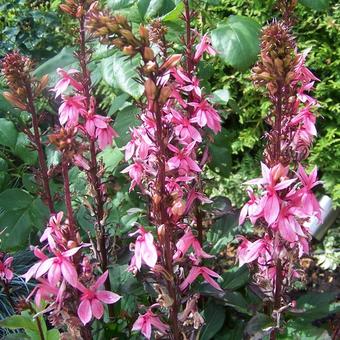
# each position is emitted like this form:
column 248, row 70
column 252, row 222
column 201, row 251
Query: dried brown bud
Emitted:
column 150, row 89
column 148, row 54
column 42, row 85
column 178, row 208
column 129, row 50
column 165, row 94
column 14, row 100
column 171, row 62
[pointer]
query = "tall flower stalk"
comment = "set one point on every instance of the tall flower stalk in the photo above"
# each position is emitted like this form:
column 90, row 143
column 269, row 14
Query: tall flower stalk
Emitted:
column 282, row 201
column 166, row 158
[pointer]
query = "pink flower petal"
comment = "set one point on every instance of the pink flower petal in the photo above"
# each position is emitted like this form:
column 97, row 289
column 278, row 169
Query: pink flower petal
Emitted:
column 84, row 312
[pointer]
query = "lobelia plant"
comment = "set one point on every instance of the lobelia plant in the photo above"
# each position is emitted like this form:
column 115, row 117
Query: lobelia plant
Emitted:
column 282, row 201
column 167, row 154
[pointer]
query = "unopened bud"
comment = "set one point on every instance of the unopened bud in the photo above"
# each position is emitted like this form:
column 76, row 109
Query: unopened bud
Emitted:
column 165, row 94
column 178, row 207
column 71, row 244
column 148, row 53
column 66, row 9
column 42, row 84
column 150, row 89
column 14, row 100
column 144, row 33
column 161, row 232
column 171, row 62
column 129, row 50
column 156, row 199
column 128, row 35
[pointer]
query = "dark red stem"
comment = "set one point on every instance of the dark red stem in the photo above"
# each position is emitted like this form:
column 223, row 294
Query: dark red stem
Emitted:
column 94, row 169
column 47, row 197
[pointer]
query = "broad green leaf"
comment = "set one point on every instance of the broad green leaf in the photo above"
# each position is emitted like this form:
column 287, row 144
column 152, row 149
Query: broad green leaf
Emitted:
column 19, row 214
column 257, row 326
column 53, row 334
column 19, row 321
column 126, row 118
column 220, row 97
column 237, row 41
column 24, row 151
column 8, row 133
column 318, row 5
column 154, row 8
column 300, row 330
column 174, row 14
column 118, row 103
column 64, row 59
column 214, row 316
column 235, row 277
column 119, row 4
column 111, row 158
column 220, row 152
column 119, row 72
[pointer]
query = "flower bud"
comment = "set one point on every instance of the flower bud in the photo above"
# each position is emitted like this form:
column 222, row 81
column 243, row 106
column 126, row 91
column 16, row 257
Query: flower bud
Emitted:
column 171, row 62
column 165, row 94
column 14, row 100
column 150, row 89
column 178, row 208
column 148, row 53
column 129, row 50
column 144, row 33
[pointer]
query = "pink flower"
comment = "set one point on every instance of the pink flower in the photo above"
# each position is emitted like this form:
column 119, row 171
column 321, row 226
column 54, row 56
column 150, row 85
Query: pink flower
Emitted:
column 145, row 250
column 205, row 114
column 183, row 128
column 33, row 270
column 70, row 109
column 249, row 251
column 309, row 203
column 93, row 298
column 105, row 134
column 205, row 272
column 135, row 171
column 182, row 160
column 47, row 292
column 307, row 118
column 203, row 46
column 93, row 122
column 5, row 271
column 58, row 266
column 65, row 81
column 145, row 322
column 252, row 208
column 185, row 242
column 53, row 229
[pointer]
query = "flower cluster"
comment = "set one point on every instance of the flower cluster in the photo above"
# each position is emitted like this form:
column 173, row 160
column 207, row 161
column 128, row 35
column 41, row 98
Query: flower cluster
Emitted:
column 166, row 160
column 6, row 274
column 282, row 201
column 66, row 273
column 75, row 113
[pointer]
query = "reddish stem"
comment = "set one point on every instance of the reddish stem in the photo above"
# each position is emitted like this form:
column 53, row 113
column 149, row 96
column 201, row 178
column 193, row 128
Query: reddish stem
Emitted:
column 94, row 169
column 47, row 197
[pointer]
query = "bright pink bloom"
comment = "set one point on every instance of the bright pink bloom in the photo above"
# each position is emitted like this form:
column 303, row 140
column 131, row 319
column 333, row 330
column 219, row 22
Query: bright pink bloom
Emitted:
column 145, row 322
column 309, row 203
column 185, row 242
column 70, row 110
column 203, row 46
column 58, row 266
column 135, row 171
column 33, row 270
column 66, row 80
column 205, row 114
column 205, row 272
column 182, row 160
column 249, row 251
column 252, row 208
column 105, row 134
column 307, row 118
column 44, row 290
column 93, row 298
column 183, row 128
column 145, row 250
column 93, row 122
column 53, row 229
column 5, row 271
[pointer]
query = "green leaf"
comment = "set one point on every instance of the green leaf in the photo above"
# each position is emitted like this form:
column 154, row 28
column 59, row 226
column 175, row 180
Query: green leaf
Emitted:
column 118, row 103
column 220, row 151
column 235, row 277
column 111, row 158
column 154, row 8
column 24, row 151
column 119, row 72
column 63, row 59
column 174, row 14
column 257, row 326
column 298, row 330
column 126, row 118
column 237, row 41
column 220, row 97
column 53, row 334
column 119, row 4
column 214, row 316
column 19, row 214
column 314, row 305
column 19, row 321
column 8, row 133
column 318, row 5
